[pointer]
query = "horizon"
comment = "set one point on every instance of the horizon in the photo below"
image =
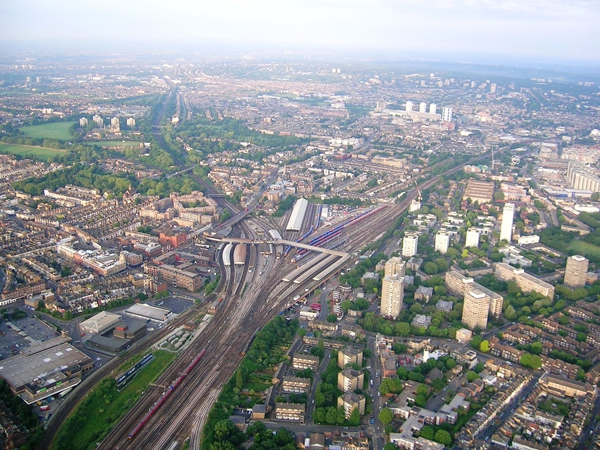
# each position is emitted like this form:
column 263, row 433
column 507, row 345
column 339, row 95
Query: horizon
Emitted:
column 529, row 33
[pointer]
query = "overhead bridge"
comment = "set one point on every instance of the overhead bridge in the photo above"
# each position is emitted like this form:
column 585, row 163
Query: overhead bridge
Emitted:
column 275, row 242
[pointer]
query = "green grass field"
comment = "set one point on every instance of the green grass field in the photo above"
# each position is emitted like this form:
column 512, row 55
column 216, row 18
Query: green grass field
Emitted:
column 25, row 150
column 585, row 248
column 55, row 130
column 118, row 143
column 104, row 406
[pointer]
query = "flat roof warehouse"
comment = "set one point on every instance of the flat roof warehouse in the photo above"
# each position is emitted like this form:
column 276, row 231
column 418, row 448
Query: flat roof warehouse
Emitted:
column 147, row 312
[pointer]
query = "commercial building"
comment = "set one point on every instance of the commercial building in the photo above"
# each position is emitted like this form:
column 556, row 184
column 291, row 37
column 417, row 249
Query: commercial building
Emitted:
column 392, row 296
column 410, row 244
column 99, row 323
column 476, row 309
column 148, row 313
column 576, row 271
column 442, row 242
column 351, row 401
column 350, row 355
column 508, row 215
column 45, row 369
column 350, row 380
column 472, row 239
column 525, row 281
column 395, row 266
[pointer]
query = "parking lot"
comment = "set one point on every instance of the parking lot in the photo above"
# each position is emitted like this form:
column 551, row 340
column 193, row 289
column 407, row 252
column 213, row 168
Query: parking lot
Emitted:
column 175, row 304
column 11, row 342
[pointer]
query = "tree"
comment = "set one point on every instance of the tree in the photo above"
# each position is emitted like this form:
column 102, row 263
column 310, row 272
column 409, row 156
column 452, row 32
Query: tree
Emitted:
column 386, row 416
column 239, row 379
column 484, row 346
column 224, row 429
column 510, row 313
column 450, row 364
column 443, row 437
column 471, row 376
column 476, row 342
column 354, row 419
column 532, row 361
column 428, row 432
column 430, row 268
column 331, row 318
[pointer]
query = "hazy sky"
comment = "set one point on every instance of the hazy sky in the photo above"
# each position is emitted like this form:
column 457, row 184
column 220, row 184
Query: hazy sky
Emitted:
column 548, row 30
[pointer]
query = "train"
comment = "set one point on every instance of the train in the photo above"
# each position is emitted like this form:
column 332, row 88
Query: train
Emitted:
column 163, row 398
column 328, row 236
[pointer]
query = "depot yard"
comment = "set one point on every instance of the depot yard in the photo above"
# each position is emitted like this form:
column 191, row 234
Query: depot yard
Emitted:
column 55, row 130
column 31, row 151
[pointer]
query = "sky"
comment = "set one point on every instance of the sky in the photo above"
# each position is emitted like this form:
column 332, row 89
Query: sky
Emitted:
column 540, row 30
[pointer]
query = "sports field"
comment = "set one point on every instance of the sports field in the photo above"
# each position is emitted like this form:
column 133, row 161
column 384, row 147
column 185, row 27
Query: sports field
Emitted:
column 55, row 130
column 26, row 150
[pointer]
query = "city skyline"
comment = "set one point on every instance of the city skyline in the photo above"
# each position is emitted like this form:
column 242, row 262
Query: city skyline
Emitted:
column 536, row 30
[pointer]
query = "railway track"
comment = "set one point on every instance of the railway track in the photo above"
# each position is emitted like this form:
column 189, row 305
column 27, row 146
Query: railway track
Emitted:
column 186, row 410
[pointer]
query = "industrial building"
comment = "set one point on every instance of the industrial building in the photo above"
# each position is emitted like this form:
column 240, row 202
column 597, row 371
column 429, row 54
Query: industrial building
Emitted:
column 297, row 216
column 123, row 335
column 45, row 369
column 148, row 313
column 99, row 323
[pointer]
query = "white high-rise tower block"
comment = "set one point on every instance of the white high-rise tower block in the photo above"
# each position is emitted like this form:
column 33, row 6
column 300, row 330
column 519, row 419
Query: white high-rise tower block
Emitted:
column 508, row 215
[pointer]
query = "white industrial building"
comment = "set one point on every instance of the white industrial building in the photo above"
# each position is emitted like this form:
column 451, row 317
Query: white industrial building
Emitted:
column 99, row 323
column 297, row 217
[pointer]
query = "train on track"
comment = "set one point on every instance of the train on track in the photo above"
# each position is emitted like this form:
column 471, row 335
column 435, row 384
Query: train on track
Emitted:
column 163, row 398
column 330, row 235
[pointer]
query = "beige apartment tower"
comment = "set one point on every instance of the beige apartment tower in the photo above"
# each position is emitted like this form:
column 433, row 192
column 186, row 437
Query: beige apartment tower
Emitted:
column 395, row 266
column 476, row 309
column 576, row 271
column 392, row 296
